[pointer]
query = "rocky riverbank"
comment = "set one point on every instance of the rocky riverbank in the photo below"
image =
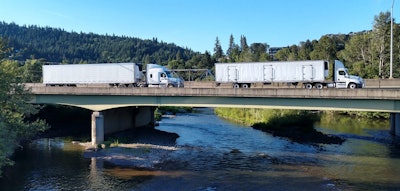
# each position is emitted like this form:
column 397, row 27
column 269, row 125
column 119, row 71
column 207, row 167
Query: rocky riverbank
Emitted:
column 138, row 148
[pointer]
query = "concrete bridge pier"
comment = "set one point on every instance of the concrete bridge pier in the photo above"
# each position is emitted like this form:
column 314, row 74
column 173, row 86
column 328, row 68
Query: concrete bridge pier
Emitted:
column 395, row 124
column 120, row 119
column 97, row 128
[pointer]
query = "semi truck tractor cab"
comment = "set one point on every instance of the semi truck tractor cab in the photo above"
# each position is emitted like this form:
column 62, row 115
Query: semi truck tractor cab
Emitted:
column 342, row 78
column 160, row 76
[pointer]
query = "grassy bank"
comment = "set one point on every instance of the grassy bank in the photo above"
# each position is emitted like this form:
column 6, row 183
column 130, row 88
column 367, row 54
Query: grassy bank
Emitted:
column 295, row 125
column 249, row 116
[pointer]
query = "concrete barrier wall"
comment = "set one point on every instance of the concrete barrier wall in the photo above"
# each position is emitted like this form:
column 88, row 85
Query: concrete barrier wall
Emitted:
column 364, row 93
column 382, row 83
column 369, row 83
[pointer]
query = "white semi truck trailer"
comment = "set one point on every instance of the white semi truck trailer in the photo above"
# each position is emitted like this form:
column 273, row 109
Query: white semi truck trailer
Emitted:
column 113, row 74
column 311, row 74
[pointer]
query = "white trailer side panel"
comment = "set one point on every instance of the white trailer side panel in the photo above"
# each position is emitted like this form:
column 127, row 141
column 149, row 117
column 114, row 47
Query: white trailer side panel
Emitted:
column 91, row 73
column 291, row 71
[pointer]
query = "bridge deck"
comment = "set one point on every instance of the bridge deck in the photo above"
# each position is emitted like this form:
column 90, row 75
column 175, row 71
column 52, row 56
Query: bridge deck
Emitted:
column 370, row 94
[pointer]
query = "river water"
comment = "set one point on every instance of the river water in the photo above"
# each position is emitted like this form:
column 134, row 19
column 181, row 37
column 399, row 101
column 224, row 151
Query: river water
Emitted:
column 214, row 154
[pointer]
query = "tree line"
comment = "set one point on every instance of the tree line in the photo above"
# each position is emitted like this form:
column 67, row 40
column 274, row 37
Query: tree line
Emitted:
column 60, row 46
column 366, row 53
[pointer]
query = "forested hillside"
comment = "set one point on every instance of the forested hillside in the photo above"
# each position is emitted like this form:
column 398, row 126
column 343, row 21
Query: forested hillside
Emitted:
column 58, row 45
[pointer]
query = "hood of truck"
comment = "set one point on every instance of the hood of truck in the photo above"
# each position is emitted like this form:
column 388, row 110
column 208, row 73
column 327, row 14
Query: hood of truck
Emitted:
column 178, row 82
column 357, row 79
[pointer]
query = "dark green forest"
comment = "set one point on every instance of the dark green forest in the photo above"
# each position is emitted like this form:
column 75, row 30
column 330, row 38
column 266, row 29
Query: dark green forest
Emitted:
column 365, row 53
column 60, row 46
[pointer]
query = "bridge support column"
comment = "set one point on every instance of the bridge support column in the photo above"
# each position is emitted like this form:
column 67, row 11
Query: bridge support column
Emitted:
column 97, row 128
column 395, row 124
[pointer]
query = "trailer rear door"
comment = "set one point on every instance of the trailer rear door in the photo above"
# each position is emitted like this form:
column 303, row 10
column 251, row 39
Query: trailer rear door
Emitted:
column 268, row 73
column 308, row 73
column 232, row 74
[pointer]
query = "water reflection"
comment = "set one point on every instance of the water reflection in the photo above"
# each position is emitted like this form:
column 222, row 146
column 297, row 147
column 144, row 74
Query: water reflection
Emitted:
column 96, row 174
column 351, row 125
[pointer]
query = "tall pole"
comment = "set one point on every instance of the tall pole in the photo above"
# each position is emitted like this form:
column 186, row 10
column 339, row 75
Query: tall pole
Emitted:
column 391, row 42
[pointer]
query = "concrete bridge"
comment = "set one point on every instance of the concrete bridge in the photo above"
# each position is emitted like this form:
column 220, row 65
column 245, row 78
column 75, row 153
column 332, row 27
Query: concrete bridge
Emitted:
column 103, row 99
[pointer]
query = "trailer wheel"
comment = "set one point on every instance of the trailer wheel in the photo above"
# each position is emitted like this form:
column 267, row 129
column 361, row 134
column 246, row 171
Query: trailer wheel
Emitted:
column 308, row 86
column 236, row 86
column 319, row 86
column 352, row 86
column 245, row 86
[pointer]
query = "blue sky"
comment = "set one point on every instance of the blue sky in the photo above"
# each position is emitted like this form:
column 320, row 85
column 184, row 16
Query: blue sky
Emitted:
column 196, row 23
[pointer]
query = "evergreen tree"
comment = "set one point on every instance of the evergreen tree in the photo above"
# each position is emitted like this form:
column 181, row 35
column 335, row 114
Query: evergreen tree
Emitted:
column 218, row 52
column 4, row 49
column 233, row 51
column 231, row 46
column 243, row 44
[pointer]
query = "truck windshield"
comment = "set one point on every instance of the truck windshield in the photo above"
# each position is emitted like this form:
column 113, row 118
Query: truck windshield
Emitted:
column 169, row 74
column 172, row 74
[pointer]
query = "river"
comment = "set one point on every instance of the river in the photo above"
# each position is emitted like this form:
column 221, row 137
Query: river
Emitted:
column 214, row 154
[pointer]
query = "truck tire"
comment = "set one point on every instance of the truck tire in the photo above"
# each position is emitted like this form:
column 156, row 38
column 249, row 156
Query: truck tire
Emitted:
column 319, row 86
column 245, row 86
column 170, row 85
column 308, row 86
column 236, row 86
column 352, row 86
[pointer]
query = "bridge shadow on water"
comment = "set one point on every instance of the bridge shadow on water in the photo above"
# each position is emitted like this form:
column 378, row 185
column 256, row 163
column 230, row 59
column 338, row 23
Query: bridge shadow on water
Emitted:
column 144, row 135
column 65, row 121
